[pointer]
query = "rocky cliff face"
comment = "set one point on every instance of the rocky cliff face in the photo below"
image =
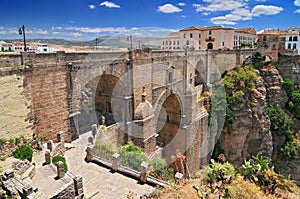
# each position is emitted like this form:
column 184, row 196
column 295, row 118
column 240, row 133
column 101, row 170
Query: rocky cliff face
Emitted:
column 250, row 131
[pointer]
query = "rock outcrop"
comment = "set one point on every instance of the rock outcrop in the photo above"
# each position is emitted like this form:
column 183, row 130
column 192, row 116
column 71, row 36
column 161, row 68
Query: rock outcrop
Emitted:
column 250, row 131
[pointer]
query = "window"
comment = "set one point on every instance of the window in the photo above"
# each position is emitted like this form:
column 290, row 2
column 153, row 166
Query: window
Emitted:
column 290, row 38
column 183, row 35
column 187, row 42
column 223, row 43
column 174, row 42
column 199, row 35
column 289, row 46
column 209, row 32
column 170, row 77
column 191, row 35
column 178, row 43
column 264, row 38
column 163, row 43
column 294, row 46
column 295, row 38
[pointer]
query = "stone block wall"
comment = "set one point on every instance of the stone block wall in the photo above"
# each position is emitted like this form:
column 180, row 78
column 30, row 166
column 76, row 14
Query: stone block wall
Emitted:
column 47, row 88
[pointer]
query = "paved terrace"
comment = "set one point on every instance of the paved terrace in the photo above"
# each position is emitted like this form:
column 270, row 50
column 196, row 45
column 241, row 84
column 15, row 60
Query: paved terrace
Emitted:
column 98, row 181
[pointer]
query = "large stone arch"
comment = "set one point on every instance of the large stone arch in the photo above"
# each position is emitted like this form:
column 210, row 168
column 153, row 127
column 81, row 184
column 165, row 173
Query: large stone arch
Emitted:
column 88, row 80
column 109, row 91
column 171, row 135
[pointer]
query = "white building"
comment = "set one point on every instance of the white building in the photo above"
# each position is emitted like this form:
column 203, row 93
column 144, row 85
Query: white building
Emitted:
column 41, row 47
column 213, row 37
column 171, row 42
column 292, row 41
column 4, row 46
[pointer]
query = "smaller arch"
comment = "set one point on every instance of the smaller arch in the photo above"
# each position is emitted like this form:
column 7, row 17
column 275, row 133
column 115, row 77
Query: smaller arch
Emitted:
column 210, row 46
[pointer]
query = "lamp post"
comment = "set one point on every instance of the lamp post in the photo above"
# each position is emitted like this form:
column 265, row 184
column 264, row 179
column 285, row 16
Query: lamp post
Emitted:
column 22, row 32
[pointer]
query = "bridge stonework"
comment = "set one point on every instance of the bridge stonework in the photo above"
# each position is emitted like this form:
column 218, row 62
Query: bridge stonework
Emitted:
column 70, row 91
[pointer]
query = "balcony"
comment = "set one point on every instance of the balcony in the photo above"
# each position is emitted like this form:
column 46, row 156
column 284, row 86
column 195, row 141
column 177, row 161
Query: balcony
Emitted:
column 209, row 39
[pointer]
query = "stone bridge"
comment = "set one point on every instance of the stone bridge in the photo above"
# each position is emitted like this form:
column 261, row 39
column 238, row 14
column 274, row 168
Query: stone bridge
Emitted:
column 152, row 98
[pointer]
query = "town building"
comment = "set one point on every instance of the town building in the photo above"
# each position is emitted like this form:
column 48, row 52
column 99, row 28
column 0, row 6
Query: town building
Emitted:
column 42, row 47
column 292, row 41
column 274, row 41
column 213, row 37
column 4, row 46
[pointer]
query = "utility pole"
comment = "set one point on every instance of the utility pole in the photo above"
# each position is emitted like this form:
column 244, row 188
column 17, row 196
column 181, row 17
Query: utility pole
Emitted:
column 130, row 40
column 22, row 32
column 97, row 42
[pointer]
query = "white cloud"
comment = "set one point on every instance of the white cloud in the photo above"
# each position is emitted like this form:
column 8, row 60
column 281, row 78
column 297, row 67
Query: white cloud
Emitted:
column 183, row 16
column 181, row 4
column 109, row 4
column 240, row 14
column 92, row 6
column 168, row 8
column 219, row 5
column 222, row 20
column 265, row 10
column 235, row 10
column 297, row 11
column 297, row 2
column 244, row 13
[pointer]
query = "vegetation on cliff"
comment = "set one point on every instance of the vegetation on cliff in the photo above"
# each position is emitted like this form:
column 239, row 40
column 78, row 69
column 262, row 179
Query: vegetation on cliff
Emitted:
column 293, row 104
column 255, row 178
column 281, row 126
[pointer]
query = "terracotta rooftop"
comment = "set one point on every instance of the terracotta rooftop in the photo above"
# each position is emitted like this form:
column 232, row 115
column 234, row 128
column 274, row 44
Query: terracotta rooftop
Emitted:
column 191, row 28
column 206, row 28
column 246, row 30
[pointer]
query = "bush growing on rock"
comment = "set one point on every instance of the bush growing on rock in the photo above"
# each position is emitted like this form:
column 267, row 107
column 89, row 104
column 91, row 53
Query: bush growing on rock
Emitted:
column 58, row 158
column 23, row 152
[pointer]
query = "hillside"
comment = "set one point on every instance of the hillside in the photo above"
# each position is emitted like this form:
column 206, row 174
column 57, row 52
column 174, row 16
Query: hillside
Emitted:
column 120, row 41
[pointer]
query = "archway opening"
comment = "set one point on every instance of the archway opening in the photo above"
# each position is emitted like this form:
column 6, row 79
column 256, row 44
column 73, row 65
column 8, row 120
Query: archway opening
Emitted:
column 170, row 138
column 210, row 46
column 107, row 88
column 200, row 73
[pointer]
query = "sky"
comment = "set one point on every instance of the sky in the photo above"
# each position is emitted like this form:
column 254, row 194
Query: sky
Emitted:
column 88, row 19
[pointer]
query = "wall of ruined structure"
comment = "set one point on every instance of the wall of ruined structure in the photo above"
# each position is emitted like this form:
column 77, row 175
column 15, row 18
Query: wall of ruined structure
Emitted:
column 289, row 67
column 48, row 90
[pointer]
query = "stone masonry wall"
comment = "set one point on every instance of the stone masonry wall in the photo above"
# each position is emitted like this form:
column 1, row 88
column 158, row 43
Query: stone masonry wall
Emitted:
column 47, row 88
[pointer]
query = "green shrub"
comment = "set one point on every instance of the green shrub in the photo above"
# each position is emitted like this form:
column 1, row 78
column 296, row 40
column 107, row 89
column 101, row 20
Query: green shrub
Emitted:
column 58, row 158
column 11, row 141
column 288, row 86
column 29, row 64
column 257, row 170
column 17, row 141
column 23, row 152
column 132, row 156
column 280, row 122
column 219, row 172
column 160, row 169
column 104, row 150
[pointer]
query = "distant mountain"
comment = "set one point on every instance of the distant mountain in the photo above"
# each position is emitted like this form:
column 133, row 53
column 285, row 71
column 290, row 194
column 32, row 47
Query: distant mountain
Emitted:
column 120, row 41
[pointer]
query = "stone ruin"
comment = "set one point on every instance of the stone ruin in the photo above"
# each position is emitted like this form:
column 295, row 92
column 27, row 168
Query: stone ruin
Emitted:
column 17, row 180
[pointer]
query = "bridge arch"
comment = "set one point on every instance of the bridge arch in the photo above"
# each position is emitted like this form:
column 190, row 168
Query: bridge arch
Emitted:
column 171, row 136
